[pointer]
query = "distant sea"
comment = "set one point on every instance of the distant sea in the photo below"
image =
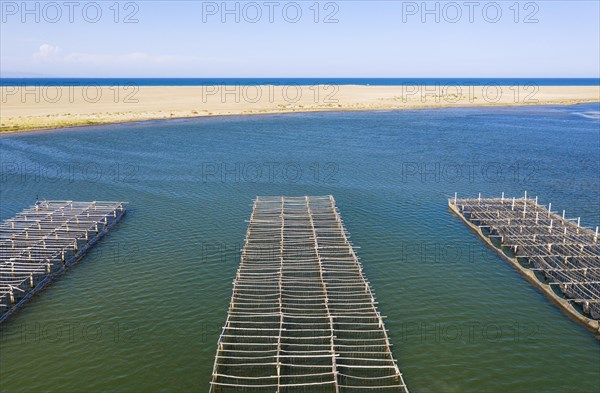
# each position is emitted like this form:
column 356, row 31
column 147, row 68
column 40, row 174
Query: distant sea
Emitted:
column 298, row 81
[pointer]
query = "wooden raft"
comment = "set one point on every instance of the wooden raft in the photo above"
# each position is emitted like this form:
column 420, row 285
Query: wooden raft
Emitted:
column 302, row 316
column 39, row 243
column 549, row 246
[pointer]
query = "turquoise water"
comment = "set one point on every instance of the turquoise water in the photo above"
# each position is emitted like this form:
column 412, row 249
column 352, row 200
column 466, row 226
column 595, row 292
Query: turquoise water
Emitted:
column 143, row 311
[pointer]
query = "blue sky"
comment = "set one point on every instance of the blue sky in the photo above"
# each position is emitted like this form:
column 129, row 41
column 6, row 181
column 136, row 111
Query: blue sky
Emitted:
column 363, row 39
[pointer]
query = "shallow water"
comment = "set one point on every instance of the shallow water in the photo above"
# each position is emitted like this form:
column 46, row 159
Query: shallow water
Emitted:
column 143, row 310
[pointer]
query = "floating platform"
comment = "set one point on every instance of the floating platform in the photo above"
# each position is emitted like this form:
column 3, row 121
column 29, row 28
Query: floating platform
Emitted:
column 553, row 252
column 302, row 316
column 42, row 242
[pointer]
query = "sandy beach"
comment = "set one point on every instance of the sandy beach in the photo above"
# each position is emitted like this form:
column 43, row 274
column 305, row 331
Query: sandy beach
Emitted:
column 38, row 107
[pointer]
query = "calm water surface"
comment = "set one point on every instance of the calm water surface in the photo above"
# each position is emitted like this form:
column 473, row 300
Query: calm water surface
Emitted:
column 298, row 81
column 144, row 309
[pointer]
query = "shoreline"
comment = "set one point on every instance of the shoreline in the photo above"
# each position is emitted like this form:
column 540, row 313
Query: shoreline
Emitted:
column 141, row 121
column 52, row 108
